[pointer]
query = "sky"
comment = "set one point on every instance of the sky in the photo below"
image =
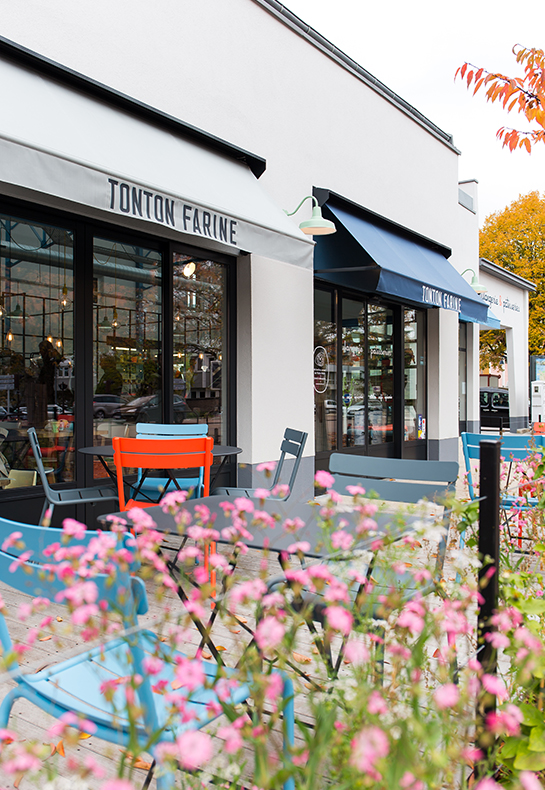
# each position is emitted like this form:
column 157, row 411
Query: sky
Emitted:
column 415, row 48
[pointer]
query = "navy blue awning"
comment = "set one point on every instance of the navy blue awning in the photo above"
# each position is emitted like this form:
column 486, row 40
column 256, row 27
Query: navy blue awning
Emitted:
column 492, row 321
column 400, row 267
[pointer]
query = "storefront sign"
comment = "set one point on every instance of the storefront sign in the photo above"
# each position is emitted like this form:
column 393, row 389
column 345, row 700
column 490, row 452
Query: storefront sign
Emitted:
column 437, row 298
column 500, row 301
column 321, row 369
column 142, row 203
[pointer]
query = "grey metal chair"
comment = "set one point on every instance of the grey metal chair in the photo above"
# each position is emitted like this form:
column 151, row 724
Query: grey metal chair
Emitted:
column 292, row 444
column 71, row 496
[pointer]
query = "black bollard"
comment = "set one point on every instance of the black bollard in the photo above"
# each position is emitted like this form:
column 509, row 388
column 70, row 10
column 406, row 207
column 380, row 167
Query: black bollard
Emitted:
column 489, row 553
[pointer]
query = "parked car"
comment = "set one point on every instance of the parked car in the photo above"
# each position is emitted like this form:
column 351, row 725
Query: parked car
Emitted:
column 107, row 406
column 494, row 407
column 148, row 409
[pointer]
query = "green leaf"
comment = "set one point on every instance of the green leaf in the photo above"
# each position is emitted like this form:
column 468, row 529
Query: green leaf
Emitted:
column 533, row 606
column 527, row 760
column 537, row 739
column 531, row 716
column 509, row 748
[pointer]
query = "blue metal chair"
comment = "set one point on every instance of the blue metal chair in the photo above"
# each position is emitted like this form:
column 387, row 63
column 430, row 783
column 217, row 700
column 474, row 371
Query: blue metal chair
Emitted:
column 74, row 685
column 70, row 496
column 293, row 444
column 152, row 487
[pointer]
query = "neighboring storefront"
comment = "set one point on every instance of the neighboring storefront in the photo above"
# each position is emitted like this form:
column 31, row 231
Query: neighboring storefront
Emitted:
column 375, row 283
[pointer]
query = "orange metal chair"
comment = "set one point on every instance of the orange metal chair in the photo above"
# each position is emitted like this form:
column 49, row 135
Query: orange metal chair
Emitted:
column 168, row 455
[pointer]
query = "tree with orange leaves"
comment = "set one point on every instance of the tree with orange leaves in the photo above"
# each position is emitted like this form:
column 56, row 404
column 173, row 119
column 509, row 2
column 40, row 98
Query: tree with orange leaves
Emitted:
column 524, row 95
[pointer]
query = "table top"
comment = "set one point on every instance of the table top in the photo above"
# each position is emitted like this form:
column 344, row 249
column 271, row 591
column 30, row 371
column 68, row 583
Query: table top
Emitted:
column 107, row 450
column 276, row 537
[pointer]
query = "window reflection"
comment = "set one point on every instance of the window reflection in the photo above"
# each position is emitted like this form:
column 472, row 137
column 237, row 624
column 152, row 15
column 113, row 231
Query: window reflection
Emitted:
column 37, row 370
column 127, row 339
column 325, row 372
column 381, row 374
column 415, row 374
column 199, row 345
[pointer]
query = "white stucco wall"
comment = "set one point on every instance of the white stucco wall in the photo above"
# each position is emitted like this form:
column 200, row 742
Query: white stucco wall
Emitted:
column 509, row 303
column 233, row 69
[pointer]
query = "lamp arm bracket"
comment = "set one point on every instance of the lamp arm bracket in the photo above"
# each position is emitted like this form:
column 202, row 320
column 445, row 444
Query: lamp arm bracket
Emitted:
column 308, row 197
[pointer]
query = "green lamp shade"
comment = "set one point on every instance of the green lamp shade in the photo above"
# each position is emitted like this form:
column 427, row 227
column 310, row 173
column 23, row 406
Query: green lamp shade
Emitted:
column 317, row 225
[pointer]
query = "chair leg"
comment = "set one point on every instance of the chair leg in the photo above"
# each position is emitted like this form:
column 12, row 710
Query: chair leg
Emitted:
column 288, row 718
column 6, row 706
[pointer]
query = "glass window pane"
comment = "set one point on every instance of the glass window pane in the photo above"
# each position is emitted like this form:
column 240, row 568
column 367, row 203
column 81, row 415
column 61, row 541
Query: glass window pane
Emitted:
column 381, row 374
column 37, row 374
column 415, row 374
column 353, row 383
column 325, row 371
column 127, row 339
column 200, row 344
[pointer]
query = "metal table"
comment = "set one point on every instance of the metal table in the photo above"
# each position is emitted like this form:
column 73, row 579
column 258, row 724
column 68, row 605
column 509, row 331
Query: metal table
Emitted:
column 103, row 451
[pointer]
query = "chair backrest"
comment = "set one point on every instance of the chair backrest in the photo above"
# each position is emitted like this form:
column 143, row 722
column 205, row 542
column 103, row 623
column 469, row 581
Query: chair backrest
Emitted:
column 167, row 454
column 37, row 540
column 22, row 477
column 515, row 448
column 36, row 450
column 394, row 479
column 162, row 429
column 293, row 443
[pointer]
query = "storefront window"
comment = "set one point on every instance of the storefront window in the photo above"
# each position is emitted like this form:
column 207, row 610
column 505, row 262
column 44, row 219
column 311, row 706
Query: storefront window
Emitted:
column 381, row 374
column 325, row 371
column 199, row 346
column 37, row 370
column 415, row 374
column 462, row 375
column 353, row 382
column 127, row 375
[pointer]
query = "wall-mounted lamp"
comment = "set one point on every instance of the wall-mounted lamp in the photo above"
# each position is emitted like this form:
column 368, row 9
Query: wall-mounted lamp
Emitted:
column 316, row 225
column 9, row 336
column 475, row 284
column 189, row 269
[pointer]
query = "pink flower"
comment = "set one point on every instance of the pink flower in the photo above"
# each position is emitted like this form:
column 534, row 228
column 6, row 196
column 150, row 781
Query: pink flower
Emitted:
column 293, row 525
column 301, row 545
column 411, row 620
column 495, row 686
column 341, row 540
column 376, row 703
column 190, row 672
column 324, row 479
column 267, row 466
column 356, row 652
column 529, row 781
column 355, row 490
column 73, row 528
column 409, row 782
column 152, row 665
column 487, row 784
column 195, row 749
column 245, row 505
column 339, row 619
column 262, row 493
column 117, row 784
column 269, row 633
column 369, row 746
column 506, row 721
column 274, row 686
column 26, row 555
column 232, row 737
column 11, row 540
column 446, row 696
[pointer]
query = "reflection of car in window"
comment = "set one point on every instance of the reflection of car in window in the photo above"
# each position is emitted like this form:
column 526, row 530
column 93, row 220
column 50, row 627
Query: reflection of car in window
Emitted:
column 107, row 406
column 148, row 409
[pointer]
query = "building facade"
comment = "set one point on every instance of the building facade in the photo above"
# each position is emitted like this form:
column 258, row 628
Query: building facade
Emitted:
column 149, row 273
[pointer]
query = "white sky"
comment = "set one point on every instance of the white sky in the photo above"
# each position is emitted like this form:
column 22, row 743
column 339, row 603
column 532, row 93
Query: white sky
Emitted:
column 415, row 49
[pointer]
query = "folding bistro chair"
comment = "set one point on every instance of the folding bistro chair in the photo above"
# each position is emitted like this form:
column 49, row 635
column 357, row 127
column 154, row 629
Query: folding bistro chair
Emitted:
column 293, row 444
column 71, row 496
column 393, row 480
column 74, row 685
column 152, row 486
column 166, row 454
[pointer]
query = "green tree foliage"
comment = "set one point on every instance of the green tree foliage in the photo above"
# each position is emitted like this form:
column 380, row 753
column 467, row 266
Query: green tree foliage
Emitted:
column 515, row 239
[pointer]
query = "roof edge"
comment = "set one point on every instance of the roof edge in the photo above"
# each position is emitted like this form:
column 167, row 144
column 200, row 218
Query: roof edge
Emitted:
column 323, row 195
column 504, row 274
column 74, row 79
column 291, row 20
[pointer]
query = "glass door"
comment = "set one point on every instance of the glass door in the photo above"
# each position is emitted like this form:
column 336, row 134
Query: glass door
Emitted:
column 381, row 375
column 127, row 331
column 353, row 373
column 325, row 371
